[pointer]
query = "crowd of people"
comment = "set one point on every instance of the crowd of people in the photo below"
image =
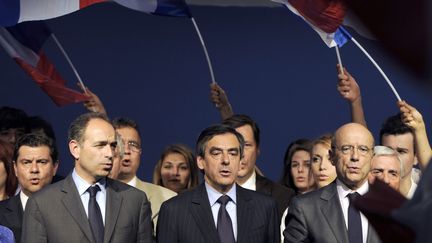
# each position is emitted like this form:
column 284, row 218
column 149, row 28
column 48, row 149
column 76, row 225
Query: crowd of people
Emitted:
column 216, row 193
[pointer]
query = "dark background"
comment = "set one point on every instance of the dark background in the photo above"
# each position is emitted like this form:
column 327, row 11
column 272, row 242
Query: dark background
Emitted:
column 152, row 69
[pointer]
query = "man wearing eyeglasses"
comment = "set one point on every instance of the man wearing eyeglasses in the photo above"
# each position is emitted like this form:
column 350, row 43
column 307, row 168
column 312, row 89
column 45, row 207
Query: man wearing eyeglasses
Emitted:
column 129, row 132
column 327, row 215
column 219, row 210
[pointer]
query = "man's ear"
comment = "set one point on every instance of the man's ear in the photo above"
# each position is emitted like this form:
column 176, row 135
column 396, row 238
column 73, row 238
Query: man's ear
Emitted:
column 200, row 162
column 74, row 149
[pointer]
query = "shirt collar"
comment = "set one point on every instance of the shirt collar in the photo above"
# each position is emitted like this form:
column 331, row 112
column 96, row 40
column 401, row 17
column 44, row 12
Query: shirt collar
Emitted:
column 250, row 183
column 83, row 185
column 214, row 195
column 23, row 198
column 133, row 182
column 343, row 190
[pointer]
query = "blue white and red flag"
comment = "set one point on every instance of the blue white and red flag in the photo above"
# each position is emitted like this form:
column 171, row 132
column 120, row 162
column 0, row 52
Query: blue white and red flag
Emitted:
column 24, row 42
column 16, row 11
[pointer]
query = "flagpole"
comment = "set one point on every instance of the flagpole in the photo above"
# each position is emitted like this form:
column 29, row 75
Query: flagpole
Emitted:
column 339, row 59
column 205, row 50
column 70, row 62
column 378, row 67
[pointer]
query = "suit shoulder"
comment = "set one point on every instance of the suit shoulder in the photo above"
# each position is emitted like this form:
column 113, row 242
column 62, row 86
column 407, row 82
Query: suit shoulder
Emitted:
column 260, row 198
column 124, row 188
column 155, row 190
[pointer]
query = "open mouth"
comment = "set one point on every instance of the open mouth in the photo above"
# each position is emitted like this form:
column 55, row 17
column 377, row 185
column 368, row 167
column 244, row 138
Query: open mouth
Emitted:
column 126, row 162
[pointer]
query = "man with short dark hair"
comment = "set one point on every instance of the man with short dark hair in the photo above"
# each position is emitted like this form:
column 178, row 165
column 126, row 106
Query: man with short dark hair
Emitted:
column 219, row 210
column 247, row 175
column 35, row 162
column 327, row 215
column 130, row 162
column 398, row 136
column 88, row 206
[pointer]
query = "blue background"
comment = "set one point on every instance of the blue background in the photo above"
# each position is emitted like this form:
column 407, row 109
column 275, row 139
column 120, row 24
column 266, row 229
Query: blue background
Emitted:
column 152, row 69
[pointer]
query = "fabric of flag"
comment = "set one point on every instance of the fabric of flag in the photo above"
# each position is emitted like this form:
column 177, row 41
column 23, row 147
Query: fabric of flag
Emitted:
column 23, row 43
column 324, row 16
column 17, row 11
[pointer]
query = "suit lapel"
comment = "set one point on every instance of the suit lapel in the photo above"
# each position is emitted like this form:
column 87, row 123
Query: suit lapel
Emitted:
column 262, row 185
column 201, row 212
column 244, row 215
column 332, row 211
column 73, row 204
column 113, row 205
column 14, row 214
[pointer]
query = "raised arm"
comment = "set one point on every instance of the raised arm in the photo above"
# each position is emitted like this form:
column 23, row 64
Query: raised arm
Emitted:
column 413, row 119
column 220, row 100
column 94, row 104
column 350, row 90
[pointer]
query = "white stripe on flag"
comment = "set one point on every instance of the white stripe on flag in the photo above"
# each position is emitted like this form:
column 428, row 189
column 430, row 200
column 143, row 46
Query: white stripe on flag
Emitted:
column 16, row 50
column 148, row 6
column 46, row 9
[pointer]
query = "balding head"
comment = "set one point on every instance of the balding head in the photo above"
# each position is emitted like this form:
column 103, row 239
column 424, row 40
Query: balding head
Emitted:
column 352, row 153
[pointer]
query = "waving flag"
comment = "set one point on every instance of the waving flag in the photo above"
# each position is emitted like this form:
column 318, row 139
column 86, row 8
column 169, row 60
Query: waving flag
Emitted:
column 17, row 11
column 23, row 43
column 323, row 16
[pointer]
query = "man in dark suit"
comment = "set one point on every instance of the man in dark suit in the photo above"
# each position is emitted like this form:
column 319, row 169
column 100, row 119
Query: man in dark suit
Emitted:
column 328, row 214
column 248, row 177
column 35, row 163
column 219, row 210
column 87, row 206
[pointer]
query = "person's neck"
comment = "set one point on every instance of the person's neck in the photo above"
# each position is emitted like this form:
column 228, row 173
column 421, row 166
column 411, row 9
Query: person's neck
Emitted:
column 405, row 184
column 3, row 194
column 125, row 178
column 242, row 180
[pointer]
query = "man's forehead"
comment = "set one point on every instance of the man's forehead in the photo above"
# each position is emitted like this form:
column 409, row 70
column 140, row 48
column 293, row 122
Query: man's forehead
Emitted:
column 385, row 162
column 99, row 130
column 128, row 133
column 399, row 140
column 223, row 141
column 25, row 151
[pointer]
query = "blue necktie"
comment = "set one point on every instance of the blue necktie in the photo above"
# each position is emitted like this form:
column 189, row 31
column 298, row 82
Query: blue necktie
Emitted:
column 224, row 224
column 94, row 215
column 354, row 221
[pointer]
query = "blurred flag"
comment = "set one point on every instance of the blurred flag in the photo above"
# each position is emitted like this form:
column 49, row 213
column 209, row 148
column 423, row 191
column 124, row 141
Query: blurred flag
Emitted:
column 324, row 16
column 23, row 43
column 17, row 11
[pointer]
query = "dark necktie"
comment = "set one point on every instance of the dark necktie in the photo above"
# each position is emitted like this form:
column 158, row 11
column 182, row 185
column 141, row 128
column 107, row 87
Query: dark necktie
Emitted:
column 224, row 224
column 354, row 221
column 94, row 215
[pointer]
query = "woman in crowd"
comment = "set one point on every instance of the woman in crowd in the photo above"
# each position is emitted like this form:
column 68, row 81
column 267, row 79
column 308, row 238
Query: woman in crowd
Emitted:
column 296, row 167
column 176, row 169
column 323, row 171
column 8, row 180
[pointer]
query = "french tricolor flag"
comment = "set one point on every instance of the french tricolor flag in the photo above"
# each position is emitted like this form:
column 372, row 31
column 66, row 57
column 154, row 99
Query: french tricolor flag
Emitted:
column 16, row 11
column 323, row 16
column 23, row 43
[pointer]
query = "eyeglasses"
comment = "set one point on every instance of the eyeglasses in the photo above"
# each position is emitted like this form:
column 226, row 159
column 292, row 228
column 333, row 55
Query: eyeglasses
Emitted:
column 133, row 146
column 348, row 149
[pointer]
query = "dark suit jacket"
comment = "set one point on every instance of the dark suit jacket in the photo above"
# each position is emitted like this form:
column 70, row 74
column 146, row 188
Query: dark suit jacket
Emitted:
column 282, row 195
column 11, row 215
column 56, row 214
column 317, row 217
column 188, row 218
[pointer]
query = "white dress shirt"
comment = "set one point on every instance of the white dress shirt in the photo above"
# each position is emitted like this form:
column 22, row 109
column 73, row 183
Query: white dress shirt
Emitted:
column 231, row 206
column 24, row 199
column 82, row 187
column 412, row 189
column 133, row 182
column 343, row 192
column 250, row 183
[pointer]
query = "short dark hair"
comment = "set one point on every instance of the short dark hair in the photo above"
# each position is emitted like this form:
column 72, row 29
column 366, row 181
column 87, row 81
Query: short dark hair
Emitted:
column 393, row 125
column 36, row 140
column 212, row 131
column 122, row 122
column 12, row 118
column 78, row 126
column 237, row 121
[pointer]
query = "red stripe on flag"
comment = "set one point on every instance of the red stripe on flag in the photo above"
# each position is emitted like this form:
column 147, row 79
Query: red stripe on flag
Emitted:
column 85, row 3
column 51, row 82
column 327, row 15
